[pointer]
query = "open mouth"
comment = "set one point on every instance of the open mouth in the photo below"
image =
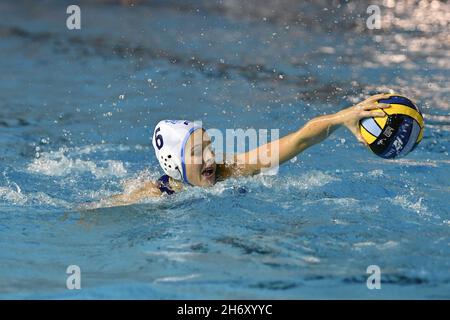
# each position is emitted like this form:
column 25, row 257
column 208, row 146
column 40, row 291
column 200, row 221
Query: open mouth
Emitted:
column 208, row 172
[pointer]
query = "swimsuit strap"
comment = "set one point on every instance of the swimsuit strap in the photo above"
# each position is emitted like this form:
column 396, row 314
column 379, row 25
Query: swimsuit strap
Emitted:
column 164, row 186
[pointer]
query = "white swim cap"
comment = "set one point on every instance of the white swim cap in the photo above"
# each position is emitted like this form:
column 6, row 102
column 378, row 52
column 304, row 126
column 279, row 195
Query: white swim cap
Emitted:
column 169, row 140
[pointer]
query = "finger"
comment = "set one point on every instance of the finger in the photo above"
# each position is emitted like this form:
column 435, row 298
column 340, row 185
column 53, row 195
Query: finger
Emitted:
column 357, row 134
column 373, row 106
column 380, row 96
column 368, row 114
column 382, row 105
column 374, row 99
column 361, row 139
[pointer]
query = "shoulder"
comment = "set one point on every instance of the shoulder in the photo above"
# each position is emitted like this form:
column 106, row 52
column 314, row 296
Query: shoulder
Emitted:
column 237, row 166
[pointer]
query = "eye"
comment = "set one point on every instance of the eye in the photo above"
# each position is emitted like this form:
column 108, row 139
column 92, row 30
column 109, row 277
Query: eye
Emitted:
column 209, row 147
column 197, row 150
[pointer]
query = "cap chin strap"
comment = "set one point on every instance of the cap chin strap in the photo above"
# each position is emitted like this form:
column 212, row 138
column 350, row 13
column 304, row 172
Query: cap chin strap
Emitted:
column 183, row 147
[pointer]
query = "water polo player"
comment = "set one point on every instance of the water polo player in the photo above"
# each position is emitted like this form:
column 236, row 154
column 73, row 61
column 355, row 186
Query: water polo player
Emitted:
column 186, row 157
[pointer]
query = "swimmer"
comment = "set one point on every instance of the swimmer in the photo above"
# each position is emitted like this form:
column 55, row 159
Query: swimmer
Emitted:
column 185, row 154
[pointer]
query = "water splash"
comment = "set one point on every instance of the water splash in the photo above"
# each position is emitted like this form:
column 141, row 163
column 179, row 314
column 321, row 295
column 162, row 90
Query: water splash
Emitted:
column 61, row 163
column 17, row 197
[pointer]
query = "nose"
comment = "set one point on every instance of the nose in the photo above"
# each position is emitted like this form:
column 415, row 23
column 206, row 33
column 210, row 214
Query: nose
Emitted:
column 208, row 155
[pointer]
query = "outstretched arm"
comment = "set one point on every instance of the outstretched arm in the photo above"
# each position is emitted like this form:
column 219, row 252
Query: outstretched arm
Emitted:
column 313, row 132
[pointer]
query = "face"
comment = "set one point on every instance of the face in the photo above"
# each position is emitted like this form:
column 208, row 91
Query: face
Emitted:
column 200, row 159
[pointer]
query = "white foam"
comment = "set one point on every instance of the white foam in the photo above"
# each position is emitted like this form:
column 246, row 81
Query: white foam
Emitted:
column 337, row 202
column 388, row 245
column 177, row 279
column 306, row 181
column 411, row 205
column 381, row 246
column 340, row 222
column 376, row 173
column 407, row 162
column 310, row 259
column 17, row 197
column 59, row 163
column 173, row 255
column 364, row 244
column 43, row 198
column 12, row 196
column 312, row 179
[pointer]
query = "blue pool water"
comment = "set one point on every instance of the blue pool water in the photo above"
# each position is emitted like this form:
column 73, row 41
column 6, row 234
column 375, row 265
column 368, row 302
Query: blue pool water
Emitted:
column 77, row 109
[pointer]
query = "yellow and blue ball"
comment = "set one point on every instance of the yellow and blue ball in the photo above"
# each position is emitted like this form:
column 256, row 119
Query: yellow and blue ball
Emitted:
column 398, row 132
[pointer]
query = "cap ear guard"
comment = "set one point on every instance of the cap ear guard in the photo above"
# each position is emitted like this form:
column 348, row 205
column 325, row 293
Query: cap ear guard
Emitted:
column 170, row 165
column 169, row 140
